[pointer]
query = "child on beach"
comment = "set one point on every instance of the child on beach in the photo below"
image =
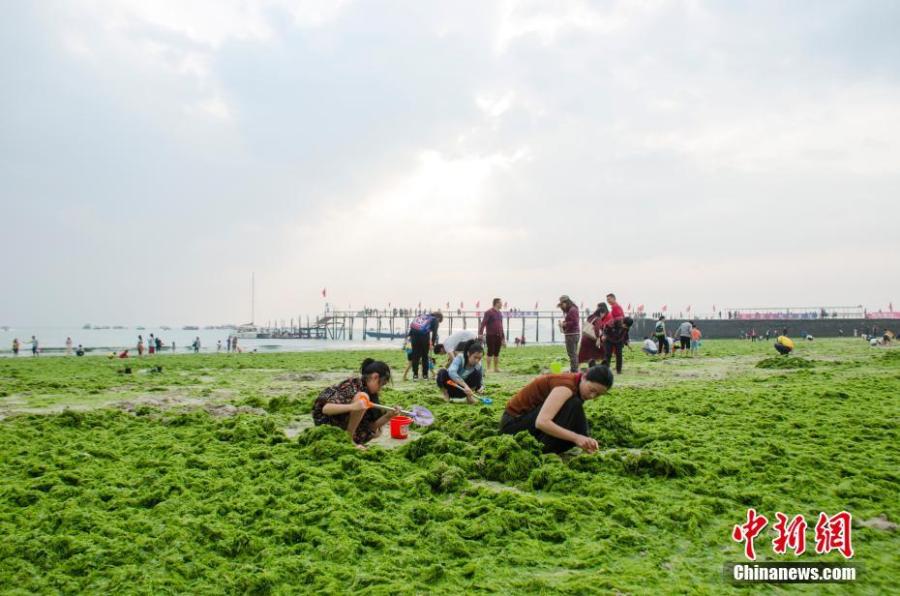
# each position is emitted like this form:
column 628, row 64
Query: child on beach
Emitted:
column 348, row 405
column 551, row 409
column 464, row 376
column 695, row 340
column 407, row 347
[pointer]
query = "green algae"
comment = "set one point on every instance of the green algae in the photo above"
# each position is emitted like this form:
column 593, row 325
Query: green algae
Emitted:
column 788, row 362
column 169, row 497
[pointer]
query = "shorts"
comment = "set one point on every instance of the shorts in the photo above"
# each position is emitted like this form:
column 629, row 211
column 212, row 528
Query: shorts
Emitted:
column 685, row 342
column 494, row 343
column 695, row 344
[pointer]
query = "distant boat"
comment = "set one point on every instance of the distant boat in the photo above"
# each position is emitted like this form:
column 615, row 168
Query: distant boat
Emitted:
column 164, row 328
column 140, row 328
column 248, row 331
column 386, row 334
column 120, row 327
column 190, row 328
column 87, row 326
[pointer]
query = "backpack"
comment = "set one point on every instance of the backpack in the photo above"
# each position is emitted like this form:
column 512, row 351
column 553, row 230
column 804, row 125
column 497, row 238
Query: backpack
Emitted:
column 421, row 324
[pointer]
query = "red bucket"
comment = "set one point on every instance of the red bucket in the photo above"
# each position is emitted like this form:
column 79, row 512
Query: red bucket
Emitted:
column 400, row 427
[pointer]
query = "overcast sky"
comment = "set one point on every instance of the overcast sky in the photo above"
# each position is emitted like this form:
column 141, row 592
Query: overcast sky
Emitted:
column 154, row 154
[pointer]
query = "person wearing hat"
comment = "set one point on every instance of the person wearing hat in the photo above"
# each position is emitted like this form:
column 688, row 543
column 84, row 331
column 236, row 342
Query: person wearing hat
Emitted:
column 570, row 325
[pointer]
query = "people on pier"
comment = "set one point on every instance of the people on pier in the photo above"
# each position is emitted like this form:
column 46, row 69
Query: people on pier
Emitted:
column 464, row 377
column 570, row 325
column 451, row 345
column 491, row 333
column 423, row 334
column 349, row 404
column 551, row 409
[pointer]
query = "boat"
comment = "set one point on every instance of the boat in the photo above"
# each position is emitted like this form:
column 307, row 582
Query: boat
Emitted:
column 164, row 328
column 190, row 328
column 87, row 326
column 247, row 331
column 386, row 334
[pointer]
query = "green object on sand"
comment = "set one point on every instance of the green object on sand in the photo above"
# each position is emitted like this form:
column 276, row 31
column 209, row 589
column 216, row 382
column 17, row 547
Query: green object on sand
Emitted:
column 555, row 368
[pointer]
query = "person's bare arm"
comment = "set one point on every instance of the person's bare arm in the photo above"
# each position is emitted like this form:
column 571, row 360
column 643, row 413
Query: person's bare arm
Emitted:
column 554, row 402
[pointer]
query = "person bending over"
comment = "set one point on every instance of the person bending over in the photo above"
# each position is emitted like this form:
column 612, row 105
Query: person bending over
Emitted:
column 551, row 409
column 423, row 333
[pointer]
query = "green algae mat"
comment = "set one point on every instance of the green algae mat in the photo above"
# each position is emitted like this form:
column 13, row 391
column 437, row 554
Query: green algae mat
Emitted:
column 203, row 477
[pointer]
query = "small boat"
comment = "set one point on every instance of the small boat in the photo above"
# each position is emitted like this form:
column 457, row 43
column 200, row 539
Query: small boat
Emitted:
column 190, row 328
column 87, row 326
column 386, row 334
column 247, row 331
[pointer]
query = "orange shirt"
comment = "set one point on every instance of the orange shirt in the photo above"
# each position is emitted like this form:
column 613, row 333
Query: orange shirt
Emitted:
column 695, row 334
column 534, row 394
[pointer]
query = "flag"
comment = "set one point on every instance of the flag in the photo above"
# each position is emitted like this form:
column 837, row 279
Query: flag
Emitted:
column 461, row 305
column 535, row 306
column 640, row 308
column 478, row 304
column 714, row 308
column 448, row 306
column 324, row 292
column 629, row 307
column 506, row 305
column 420, row 304
column 665, row 307
column 688, row 308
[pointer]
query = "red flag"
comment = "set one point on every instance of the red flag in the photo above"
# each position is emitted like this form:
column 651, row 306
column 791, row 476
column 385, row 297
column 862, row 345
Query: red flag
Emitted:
column 461, row 305
column 535, row 306
column 478, row 304
column 640, row 308
column 665, row 307
column 324, row 292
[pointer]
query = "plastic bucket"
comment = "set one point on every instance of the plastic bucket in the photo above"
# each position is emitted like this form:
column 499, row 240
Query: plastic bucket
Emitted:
column 400, row 427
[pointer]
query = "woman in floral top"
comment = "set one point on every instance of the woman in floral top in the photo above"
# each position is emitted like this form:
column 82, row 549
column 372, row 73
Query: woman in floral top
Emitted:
column 342, row 405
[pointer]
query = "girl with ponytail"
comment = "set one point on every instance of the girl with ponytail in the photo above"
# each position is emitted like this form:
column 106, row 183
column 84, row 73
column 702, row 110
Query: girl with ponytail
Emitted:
column 464, row 376
column 348, row 405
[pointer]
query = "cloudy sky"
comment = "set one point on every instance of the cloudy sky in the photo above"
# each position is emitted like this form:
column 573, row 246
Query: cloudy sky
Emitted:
column 154, row 154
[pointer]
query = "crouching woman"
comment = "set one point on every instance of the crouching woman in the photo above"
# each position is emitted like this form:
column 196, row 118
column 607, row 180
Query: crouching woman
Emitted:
column 465, row 376
column 551, row 408
column 347, row 404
